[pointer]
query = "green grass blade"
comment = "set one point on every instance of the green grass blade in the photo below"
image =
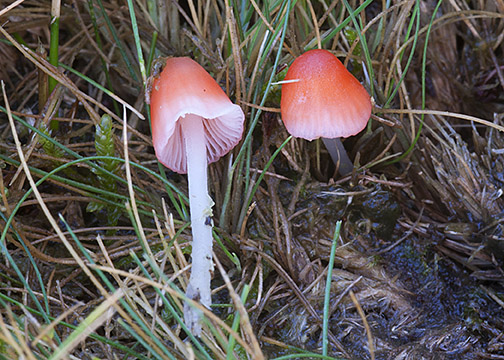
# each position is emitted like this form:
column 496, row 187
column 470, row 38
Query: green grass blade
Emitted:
column 248, row 137
column 415, row 16
column 117, row 40
column 54, row 40
column 136, row 36
column 99, row 43
column 325, row 39
column 160, row 275
column 364, row 46
column 424, row 65
column 5, row 300
column 327, row 295
column 236, row 324
column 259, row 179
column 124, row 304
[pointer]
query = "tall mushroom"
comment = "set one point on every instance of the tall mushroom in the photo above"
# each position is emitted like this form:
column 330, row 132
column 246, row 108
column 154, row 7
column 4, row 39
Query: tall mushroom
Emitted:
column 321, row 98
column 193, row 124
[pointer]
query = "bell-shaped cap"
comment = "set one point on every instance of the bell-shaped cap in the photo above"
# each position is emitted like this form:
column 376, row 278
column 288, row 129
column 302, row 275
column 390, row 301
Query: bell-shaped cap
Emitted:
column 182, row 88
column 324, row 99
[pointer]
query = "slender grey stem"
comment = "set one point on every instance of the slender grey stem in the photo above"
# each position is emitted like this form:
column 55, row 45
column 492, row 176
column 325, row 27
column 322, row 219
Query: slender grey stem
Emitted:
column 339, row 155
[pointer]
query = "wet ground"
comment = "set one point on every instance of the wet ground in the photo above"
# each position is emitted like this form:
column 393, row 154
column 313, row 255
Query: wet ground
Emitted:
column 419, row 304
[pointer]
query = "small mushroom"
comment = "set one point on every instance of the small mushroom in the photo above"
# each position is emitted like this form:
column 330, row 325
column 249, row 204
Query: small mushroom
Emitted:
column 321, row 98
column 193, row 124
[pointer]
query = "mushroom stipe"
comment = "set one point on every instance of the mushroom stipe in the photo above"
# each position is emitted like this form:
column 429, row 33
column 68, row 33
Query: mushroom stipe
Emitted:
column 193, row 124
column 326, row 102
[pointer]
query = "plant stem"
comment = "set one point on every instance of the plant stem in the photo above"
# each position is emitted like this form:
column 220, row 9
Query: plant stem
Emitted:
column 54, row 49
column 54, row 39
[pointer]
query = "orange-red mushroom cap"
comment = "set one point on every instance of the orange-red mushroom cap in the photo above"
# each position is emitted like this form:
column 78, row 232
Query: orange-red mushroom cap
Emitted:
column 182, row 88
column 325, row 101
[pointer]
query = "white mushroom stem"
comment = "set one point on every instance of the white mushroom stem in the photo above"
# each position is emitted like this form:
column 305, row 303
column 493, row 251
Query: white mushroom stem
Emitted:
column 339, row 155
column 200, row 205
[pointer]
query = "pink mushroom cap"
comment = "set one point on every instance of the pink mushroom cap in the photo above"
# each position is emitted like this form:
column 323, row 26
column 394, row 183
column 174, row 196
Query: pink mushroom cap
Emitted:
column 182, row 88
column 326, row 101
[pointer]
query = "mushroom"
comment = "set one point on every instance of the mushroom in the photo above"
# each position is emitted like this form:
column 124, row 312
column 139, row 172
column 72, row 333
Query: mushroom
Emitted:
column 193, row 124
column 321, row 98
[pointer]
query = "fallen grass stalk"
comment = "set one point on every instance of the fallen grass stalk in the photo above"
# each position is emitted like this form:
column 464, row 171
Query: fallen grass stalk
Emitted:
column 236, row 324
column 38, row 183
column 65, row 81
column 244, row 318
column 248, row 138
column 98, row 316
column 366, row 325
column 209, row 315
column 47, row 330
column 443, row 113
column 10, row 7
column 123, row 308
column 136, row 223
column 299, row 294
column 32, row 183
column 13, row 336
column 117, row 40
